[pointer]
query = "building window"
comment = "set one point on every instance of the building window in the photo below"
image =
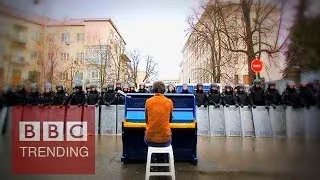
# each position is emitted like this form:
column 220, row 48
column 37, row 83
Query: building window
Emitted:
column 19, row 56
column 80, row 37
column 51, row 38
column 65, row 37
column 236, row 79
column 80, row 56
column 112, row 35
column 16, row 76
column 93, row 74
column 64, row 56
column 34, row 55
column 36, row 36
column 64, row 76
column 254, row 39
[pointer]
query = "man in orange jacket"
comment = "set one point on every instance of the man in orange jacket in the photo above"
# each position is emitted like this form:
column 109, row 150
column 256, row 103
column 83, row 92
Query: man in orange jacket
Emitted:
column 158, row 115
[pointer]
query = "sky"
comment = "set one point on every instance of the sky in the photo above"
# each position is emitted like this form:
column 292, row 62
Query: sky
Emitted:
column 155, row 27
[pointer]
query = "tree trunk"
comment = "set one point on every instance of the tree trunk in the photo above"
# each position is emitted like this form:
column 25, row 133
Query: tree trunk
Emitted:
column 250, row 51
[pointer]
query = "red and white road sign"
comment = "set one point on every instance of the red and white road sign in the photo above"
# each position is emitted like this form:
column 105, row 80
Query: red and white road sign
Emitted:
column 256, row 65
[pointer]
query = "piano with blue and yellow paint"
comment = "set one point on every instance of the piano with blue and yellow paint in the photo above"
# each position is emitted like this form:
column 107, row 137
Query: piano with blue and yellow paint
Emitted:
column 183, row 128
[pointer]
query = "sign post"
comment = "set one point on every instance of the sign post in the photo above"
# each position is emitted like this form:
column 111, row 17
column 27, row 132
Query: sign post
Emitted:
column 256, row 66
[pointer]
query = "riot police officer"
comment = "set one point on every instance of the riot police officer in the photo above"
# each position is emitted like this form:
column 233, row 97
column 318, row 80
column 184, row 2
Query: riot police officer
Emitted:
column 214, row 96
column 185, row 89
column 8, row 96
column 93, row 96
column 34, row 98
column 48, row 94
column 20, row 95
column 272, row 95
column 171, row 89
column 110, row 97
column 88, row 89
column 242, row 98
column 60, row 97
column 132, row 88
column 142, row 88
column 201, row 96
column 307, row 97
column 257, row 94
column 118, row 86
column 78, row 97
column 125, row 88
column 228, row 96
column 104, row 89
column 120, row 97
column 290, row 96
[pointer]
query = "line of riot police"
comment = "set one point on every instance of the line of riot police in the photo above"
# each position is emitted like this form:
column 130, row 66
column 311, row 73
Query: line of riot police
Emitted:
column 305, row 96
column 90, row 96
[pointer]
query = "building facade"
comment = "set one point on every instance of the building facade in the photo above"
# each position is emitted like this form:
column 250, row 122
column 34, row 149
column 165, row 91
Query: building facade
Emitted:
column 72, row 51
column 196, row 65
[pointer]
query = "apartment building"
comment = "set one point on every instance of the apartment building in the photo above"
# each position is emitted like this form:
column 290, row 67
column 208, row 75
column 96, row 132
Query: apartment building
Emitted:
column 39, row 49
column 196, row 63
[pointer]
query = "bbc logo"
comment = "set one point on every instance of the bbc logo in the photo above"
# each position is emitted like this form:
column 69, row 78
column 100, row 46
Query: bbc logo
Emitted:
column 52, row 131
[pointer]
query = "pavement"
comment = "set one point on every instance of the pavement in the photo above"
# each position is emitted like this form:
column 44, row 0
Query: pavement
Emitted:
column 223, row 158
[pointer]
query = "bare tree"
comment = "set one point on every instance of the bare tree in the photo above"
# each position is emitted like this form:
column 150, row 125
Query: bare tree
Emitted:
column 50, row 63
column 99, row 57
column 150, row 69
column 135, row 58
column 120, row 61
column 205, row 38
column 226, row 30
column 257, row 26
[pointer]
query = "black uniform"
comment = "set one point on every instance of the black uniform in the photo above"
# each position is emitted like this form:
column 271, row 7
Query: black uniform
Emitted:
column 48, row 98
column 34, row 98
column 1, row 101
column 110, row 97
column 228, row 97
column 307, row 97
column 120, row 98
column 291, row 97
column 272, row 96
column 118, row 86
column 214, row 96
column 20, row 95
column 60, row 97
column 103, row 90
column 257, row 95
column 201, row 96
column 241, row 97
column 132, row 88
column 93, row 96
column 78, row 97
column 8, row 97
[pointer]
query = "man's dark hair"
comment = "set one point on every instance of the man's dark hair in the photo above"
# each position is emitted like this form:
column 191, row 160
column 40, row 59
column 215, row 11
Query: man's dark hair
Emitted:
column 159, row 87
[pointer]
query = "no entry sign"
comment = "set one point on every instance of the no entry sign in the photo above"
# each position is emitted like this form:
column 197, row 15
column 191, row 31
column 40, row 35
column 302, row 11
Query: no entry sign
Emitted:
column 256, row 65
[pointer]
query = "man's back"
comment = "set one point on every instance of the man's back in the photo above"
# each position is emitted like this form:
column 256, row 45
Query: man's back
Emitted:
column 158, row 115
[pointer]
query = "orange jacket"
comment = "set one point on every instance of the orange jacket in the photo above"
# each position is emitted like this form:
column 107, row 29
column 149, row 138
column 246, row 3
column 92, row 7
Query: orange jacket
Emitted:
column 158, row 116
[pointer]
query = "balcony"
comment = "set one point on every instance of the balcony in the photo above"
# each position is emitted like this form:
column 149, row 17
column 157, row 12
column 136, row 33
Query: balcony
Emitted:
column 19, row 39
column 19, row 35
